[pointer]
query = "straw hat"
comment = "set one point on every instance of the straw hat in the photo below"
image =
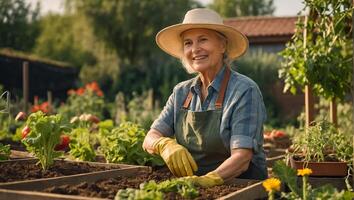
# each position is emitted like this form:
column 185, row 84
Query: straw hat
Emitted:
column 169, row 39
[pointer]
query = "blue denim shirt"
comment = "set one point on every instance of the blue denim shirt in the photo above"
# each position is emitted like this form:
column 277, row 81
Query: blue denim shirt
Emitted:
column 243, row 112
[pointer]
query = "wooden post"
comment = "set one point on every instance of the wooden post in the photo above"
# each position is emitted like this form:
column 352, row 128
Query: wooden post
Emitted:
column 309, row 101
column 309, row 106
column 50, row 100
column 333, row 111
column 25, row 85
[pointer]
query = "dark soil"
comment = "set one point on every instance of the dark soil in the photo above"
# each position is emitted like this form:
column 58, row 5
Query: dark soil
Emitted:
column 108, row 188
column 14, row 145
column 27, row 170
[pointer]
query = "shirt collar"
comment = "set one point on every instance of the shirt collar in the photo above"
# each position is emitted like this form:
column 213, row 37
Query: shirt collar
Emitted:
column 216, row 83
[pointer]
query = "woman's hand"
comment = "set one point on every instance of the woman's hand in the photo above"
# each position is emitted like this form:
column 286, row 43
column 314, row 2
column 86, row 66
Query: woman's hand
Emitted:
column 209, row 180
column 177, row 158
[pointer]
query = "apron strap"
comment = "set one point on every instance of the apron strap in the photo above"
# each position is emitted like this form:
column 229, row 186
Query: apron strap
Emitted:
column 220, row 99
column 225, row 81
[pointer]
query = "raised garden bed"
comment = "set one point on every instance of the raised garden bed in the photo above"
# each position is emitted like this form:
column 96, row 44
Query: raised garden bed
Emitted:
column 103, row 187
column 26, row 169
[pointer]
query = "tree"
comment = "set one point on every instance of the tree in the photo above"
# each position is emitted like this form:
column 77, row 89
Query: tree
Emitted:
column 59, row 42
column 18, row 24
column 320, row 53
column 129, row 29
column 237, row 8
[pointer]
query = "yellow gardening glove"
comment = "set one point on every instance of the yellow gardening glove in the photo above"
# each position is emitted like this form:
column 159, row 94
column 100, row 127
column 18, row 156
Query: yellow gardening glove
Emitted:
column 177, row 158
column 209, row 180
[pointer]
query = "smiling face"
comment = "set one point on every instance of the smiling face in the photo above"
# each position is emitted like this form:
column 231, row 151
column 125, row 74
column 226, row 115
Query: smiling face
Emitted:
column 203, row 49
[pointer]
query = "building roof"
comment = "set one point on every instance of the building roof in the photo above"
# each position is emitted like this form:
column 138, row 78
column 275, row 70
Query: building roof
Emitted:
column 265, row 29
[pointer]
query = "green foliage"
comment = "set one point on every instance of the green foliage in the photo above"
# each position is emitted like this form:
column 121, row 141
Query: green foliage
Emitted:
column 131, row 36
column 5, row 151
column 44, row 135
column 324, row 58
column 60, row 43
column 232, row 8
column 323, row 140
column 79, row 103
column 141, row 110
column 152, row 190
column 80, row 145
column 288, row 176
column 18, row 24
column 124, row 145
column 262, row 67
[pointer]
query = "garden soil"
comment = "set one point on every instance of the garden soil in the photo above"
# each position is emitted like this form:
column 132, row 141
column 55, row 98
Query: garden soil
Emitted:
column 27, row 170
column 108, row 188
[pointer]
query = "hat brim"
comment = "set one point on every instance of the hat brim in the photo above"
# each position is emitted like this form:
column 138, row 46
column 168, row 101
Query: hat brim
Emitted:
column 169, row 39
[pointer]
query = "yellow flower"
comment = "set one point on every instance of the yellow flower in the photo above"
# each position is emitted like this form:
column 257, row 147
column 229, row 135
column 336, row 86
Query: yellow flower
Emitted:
column 304, row 172
column 271, row 184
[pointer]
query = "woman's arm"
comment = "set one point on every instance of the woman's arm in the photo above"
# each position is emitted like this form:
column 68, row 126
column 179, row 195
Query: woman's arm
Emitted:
column 236, row 164
column 149, row 140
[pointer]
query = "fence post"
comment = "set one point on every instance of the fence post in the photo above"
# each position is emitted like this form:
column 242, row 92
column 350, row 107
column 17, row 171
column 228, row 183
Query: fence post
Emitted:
column 25, row 85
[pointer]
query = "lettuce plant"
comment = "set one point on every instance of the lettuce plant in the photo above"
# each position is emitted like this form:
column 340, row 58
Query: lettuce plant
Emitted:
column 43, row 135
column 124, row 145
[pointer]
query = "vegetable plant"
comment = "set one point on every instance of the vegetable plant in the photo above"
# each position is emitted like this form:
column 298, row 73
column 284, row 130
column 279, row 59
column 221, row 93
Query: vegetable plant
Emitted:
column 124, row 145
column 4, row 151
column 80, row 146
column 41, row 135
column 152, row 190
column 321, row 142
column 323, row 56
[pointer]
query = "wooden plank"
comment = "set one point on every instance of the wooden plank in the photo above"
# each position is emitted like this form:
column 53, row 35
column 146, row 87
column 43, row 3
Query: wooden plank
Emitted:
column 26, row 195
column 270, row 161
column 20, row 154
column 40, row 184
column 255, row 191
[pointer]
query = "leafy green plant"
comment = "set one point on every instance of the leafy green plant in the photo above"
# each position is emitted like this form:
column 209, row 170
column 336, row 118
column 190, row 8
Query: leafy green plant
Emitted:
column 42, row 134
column 152, row 190
column 323, row 141
column 4, row 151
column 288, row 176
column 124, row 145
column 80, row 146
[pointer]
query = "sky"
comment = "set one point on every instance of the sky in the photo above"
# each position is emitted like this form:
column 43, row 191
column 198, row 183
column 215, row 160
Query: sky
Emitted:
column 282, row 7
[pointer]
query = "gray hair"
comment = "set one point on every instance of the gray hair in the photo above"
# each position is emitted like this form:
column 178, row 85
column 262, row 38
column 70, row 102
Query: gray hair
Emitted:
column 226, row 59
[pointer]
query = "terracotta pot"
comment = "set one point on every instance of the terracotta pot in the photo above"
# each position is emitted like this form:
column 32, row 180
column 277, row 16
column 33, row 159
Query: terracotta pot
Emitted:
column 332, row 169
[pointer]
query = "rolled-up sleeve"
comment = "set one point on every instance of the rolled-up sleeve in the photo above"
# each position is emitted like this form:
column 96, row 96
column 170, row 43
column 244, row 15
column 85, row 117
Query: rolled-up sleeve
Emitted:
column 247, row 121
column 164, row 123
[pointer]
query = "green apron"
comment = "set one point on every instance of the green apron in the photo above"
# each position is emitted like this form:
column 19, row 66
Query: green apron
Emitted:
column 199, row 132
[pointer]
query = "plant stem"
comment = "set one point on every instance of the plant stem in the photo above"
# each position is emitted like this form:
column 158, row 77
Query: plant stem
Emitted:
column 304, row 187
column 271, row 195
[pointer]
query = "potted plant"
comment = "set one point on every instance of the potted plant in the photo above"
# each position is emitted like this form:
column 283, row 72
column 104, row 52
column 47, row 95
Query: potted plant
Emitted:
column 324, row 149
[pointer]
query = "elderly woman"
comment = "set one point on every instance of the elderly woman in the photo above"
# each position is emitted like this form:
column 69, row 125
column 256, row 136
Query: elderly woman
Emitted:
column 211, row 124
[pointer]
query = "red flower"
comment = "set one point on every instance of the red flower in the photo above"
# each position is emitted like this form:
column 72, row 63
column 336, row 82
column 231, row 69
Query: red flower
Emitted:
column 80, row 91
column 44, row 107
